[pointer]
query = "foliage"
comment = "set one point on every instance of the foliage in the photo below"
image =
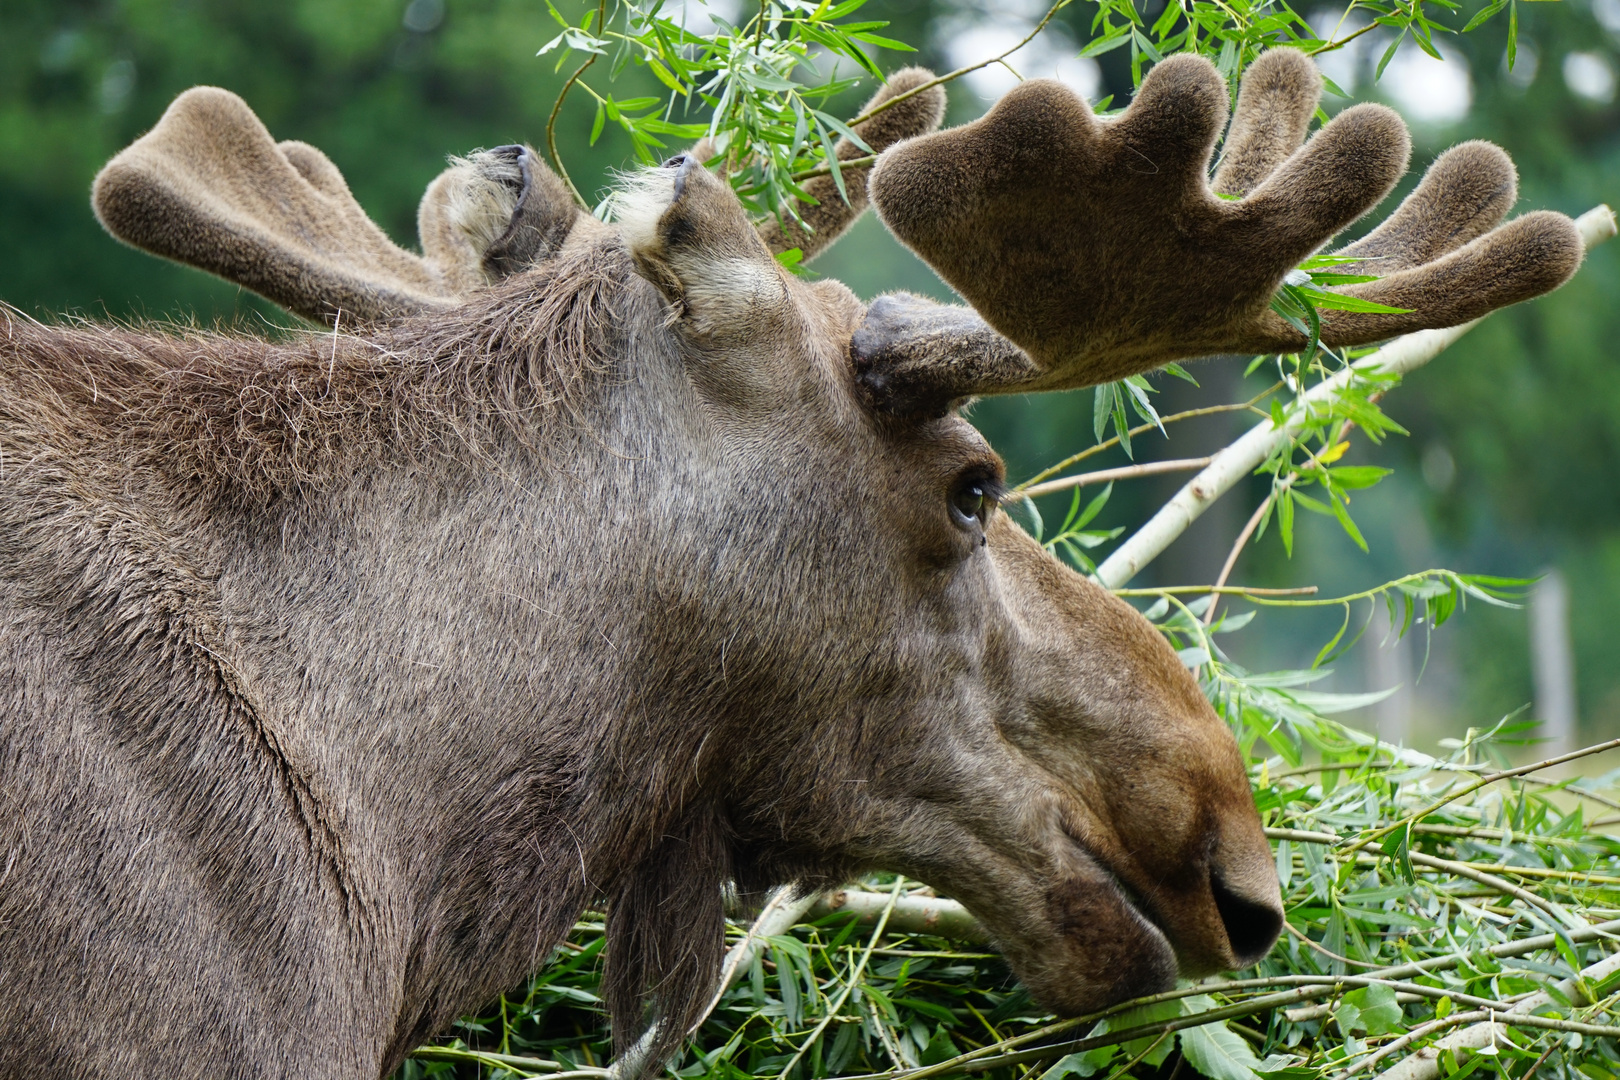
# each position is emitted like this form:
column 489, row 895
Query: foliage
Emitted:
column 389, row 100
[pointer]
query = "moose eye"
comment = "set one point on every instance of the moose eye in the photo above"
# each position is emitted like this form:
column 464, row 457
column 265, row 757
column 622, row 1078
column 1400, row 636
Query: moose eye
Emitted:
column 972, row 499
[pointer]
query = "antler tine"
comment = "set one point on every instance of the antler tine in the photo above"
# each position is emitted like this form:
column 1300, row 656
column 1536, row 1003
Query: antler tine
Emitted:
column 209, row 187
column 1276, row 100
column 830, row 216
column 1100, row 250
column 1525, row 258
column 1465, row 193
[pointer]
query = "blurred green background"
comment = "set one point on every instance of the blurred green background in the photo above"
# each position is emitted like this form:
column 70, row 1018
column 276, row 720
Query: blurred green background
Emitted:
column 1514, row 450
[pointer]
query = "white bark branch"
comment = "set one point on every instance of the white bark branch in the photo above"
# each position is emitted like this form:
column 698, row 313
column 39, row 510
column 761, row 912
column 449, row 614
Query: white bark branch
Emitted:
column 1425, row 1064
column 1242, row 457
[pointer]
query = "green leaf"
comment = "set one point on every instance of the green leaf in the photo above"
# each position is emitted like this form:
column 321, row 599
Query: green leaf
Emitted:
column 1094, row 506
column 1398, row 846
column 1380, row 1014
column 1358, row 476
column 1343, row 514
column 1218, row 1052
column 1107, row 43
column 1285, row 520
column 883, row 42
column 1179, row 372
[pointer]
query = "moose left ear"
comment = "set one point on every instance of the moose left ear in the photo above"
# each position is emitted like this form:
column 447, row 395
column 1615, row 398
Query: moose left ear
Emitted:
column 492, row 214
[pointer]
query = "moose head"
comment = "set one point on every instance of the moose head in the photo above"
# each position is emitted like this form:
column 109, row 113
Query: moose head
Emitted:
column 584, row 561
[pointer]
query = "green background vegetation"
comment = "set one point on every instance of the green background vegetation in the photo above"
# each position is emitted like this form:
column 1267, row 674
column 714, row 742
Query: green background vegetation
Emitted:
column 1527, row 406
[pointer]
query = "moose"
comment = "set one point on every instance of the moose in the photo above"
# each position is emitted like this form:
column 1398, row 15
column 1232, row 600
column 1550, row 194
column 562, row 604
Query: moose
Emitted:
column 578, row 562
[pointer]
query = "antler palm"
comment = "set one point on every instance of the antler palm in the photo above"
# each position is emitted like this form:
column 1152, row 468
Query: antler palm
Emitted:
column 1100, row 248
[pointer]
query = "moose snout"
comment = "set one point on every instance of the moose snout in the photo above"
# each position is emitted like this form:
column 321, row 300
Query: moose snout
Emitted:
column 1252, row 919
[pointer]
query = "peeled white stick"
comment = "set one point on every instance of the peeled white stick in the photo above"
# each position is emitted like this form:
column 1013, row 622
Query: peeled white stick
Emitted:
column 1242, row 457
column 780, row 914
column 1425, row 1064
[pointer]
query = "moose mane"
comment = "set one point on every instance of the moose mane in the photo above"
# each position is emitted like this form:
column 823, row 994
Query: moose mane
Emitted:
column 229, row 417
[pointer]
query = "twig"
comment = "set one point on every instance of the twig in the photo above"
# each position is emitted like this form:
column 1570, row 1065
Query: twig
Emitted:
column 1540, row 1061
column 862, row 162
column 1326, row 985
column 909, row 914
column 551, row 121
column 1422, row 1031
column 1224, row 590
column 552, row 1070
column 1324, row 950
column 1484, row 781
column 1507, row 888
column 959, row 72
column 1425, row 1064
column 1330, row 46
column 1104, row 476
column 1403, row 355
column 1188, row 414
column 1239, row 543
column 780, row 914
column 849, row 986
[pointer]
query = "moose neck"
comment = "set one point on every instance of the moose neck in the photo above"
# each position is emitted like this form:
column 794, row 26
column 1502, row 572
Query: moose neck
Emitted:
column 419, row 686
column 473, row 653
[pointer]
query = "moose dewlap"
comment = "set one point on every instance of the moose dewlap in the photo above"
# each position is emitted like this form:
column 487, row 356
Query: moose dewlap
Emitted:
column 588, row 564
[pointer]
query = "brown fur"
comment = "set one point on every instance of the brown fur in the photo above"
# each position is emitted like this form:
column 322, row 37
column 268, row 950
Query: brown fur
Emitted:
column 337, row 675
column 1276, row 100
column 1099, row 248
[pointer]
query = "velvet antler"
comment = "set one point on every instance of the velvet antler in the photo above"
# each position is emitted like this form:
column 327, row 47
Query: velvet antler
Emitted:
column 1099, row 248
column 209, row 187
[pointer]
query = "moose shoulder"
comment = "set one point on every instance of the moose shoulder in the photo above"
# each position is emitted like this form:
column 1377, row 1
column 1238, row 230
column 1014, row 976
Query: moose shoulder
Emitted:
column 583, row 563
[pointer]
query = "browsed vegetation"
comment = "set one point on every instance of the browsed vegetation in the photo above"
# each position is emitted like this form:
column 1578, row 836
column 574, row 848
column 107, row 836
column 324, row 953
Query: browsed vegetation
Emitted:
column 1446, row 915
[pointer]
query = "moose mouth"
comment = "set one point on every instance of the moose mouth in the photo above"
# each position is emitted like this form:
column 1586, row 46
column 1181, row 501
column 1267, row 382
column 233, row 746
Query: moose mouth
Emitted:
column 1103, row 941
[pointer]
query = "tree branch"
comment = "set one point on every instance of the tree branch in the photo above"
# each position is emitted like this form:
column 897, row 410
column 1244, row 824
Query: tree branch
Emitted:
column 959, row 72
column 1403, row 355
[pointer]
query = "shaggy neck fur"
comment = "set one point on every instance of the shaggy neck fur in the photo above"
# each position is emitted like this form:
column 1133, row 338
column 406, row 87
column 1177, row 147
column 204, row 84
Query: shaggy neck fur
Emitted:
column 249, row 420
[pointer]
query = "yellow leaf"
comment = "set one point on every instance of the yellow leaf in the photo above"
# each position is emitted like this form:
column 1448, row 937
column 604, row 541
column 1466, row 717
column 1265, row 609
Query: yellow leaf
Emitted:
column 1332, row 453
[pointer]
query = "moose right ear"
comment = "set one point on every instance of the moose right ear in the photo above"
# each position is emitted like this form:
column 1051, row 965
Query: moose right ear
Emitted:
column 691, row 237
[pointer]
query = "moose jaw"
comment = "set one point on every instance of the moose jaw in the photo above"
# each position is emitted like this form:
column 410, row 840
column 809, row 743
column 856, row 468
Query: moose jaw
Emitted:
column 589, row 564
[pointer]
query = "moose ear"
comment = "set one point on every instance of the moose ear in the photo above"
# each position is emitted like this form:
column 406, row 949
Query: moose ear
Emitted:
column 919, row 111
column 691, row 237
column 492, row 214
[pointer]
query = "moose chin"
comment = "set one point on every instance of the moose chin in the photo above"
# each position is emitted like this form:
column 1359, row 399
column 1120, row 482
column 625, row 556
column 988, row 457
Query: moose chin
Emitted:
column 578, row 563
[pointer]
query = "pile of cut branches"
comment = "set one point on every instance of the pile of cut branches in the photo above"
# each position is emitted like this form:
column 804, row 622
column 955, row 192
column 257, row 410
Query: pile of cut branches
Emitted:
column 1444, row 915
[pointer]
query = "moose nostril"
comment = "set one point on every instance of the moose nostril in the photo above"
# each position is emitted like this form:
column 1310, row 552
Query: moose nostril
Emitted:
column 1251, row 925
